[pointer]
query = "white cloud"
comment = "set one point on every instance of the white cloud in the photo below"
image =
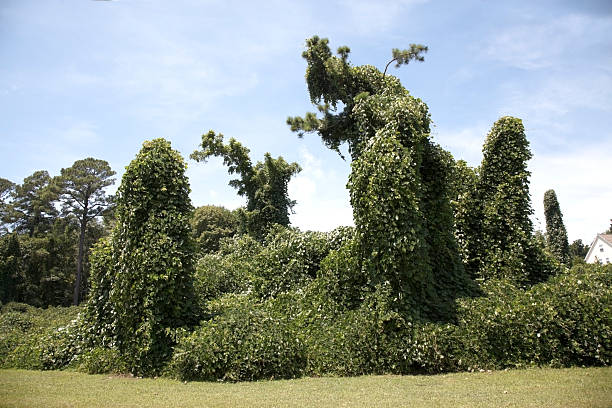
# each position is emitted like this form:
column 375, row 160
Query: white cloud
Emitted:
column 464, row 144
column 79, row 132
column 541, row 44
column 322, row 198
column 559, row 95
column 581, row 181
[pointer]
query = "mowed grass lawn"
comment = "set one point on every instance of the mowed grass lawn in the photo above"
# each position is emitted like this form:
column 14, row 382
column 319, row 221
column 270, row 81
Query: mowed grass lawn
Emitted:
column 574, row 387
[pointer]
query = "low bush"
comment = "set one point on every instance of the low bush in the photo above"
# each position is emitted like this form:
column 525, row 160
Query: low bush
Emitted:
column 365, row 340
column 246, row 341
column 226, row 271
column 102, row 360
column 564, row 321
column 33, row 338
column 288, row 259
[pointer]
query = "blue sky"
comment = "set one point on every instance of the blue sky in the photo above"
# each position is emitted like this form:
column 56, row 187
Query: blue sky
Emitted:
column 97, row 78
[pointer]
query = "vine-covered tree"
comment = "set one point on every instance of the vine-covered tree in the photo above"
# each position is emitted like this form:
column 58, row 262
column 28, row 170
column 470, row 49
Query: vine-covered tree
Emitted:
column 398, row 184
column 264, row 184
column 152, row 257
column 82, row 194
column 556, row 234
column 508, row 248
column 468, row 216
column 210, row 224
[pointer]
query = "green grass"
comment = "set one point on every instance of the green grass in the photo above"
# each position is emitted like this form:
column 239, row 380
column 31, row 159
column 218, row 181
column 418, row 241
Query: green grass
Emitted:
column 574, row 387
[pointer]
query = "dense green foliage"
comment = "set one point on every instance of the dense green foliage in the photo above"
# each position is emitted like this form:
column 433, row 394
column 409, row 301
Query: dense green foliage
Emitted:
column 7, row 189
column 399, row 184
column 287, row 260
column 29, row 336
column 144, row 276
column 210, row 224
column 31, row 209
column 39, row 270
column 556, row 234
column 10, row 267
column 45, row 246
column 264, row 184
column 492, row 209
column 562, row 322
column 578, row 251
column 504, row 191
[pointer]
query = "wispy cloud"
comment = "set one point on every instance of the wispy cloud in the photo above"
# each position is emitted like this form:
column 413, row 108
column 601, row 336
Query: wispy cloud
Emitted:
column 464, row 143
column 370, row 17
column 540, row 44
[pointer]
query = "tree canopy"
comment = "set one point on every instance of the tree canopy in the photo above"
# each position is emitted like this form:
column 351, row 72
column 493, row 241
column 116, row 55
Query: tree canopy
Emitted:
column 81, row 192
column 32, row 209
column 264, row 184
column 210, row 224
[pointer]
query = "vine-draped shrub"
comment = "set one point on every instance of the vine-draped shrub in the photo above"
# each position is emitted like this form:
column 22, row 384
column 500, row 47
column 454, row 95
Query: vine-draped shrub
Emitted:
column 37, row 339
column 291, row 259
column 564, row 321
column 246, row 341
column 286, row 260
column 226, row 271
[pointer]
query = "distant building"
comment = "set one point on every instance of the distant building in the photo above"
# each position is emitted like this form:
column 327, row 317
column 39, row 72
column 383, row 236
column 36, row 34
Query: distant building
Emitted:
column 601, row 250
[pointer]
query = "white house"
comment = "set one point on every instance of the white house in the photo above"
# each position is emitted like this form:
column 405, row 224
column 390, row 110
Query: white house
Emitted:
column 601, row 250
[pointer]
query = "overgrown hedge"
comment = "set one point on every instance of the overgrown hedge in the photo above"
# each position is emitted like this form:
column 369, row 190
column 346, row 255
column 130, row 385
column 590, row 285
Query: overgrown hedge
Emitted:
column 562, row 322
column 321, row 328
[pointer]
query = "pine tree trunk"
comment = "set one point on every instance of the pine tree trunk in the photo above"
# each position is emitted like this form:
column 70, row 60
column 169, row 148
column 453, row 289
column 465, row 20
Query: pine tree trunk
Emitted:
column 79, row 274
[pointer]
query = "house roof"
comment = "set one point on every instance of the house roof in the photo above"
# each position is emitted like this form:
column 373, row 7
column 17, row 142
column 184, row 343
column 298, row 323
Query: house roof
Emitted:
column 607, row 238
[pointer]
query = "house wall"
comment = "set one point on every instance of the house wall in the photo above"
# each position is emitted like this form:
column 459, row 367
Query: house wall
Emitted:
column 600, row 251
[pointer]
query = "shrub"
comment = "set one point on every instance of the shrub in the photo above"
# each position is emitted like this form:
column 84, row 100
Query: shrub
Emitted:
column 355, row 342
column 342, row 276
column 245, row 341
column 102, row 360
column 227, row 271
column 289, row 260
column 33, row 338
column 565, row 321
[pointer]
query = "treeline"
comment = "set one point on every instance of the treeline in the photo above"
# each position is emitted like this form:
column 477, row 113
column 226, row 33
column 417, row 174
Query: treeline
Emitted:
column 47, row 225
